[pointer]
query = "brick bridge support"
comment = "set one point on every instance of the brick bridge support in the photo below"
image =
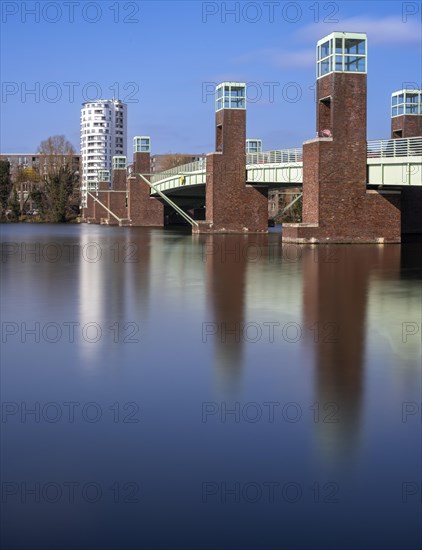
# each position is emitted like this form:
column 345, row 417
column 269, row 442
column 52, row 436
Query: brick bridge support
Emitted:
column 144, row 210
column 232, row 206
column 337, row 208
column 408, row 126
column 116, row 200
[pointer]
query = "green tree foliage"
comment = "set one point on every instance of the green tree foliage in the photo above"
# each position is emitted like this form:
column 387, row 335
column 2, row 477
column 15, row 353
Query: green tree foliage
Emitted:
column 15, row 209
column 5, row 186
column 56, row 198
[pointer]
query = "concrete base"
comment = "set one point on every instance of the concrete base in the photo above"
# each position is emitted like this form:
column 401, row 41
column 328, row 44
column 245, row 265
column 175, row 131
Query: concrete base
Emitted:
column 206, row 227
column 312, row 234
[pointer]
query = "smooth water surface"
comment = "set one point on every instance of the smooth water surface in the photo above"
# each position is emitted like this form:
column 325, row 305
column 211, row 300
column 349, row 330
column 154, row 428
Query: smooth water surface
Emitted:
column 168, row 391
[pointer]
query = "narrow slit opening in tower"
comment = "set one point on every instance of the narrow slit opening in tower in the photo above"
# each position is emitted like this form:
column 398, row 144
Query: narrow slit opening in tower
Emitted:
column 219, row 138
column 325, row 123
column 397, row 134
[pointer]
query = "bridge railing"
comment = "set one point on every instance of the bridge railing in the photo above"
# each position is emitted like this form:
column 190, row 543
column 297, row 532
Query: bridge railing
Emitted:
column 183, row 169
column 390, row 148
column 277, row 157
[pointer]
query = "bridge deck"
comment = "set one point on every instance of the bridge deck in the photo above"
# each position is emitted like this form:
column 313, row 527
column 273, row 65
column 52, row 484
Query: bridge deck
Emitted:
column 391, row 162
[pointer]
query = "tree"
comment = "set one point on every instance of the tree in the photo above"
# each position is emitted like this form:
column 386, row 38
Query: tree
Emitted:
column 57, row 195
column 55, row 201
column 14, row 206
column 171, row 160
column 5, row 185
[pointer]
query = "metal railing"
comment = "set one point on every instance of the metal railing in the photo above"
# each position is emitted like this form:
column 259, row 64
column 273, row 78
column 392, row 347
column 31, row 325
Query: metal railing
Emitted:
column 389, row 148
column 276, row 157
column 196, row 166
column 380, row 148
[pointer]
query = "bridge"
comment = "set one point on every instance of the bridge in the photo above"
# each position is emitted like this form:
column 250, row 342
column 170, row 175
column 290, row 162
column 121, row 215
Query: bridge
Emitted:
column 353, row 190
column 390, row 162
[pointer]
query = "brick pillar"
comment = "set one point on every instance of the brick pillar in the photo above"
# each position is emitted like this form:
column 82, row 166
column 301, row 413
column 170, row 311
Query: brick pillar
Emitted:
column 117, row 197
column 231, row 205
column 406, row 126
column 336, row 205
column 143, row 210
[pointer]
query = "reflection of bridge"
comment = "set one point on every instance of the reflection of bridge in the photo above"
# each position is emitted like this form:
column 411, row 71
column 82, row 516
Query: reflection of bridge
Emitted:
column 390, row 162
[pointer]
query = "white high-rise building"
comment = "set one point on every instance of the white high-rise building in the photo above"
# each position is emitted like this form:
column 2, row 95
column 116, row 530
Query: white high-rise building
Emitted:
column 103, row 135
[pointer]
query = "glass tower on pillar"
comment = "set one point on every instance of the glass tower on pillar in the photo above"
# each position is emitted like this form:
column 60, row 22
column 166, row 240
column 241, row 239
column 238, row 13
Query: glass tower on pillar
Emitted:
column 119, row 163
column 253, row 146
column 141, row 144
column 230, row 95
column 103, row 176
column 230, row 117
column 406, row 114
column 342, row 52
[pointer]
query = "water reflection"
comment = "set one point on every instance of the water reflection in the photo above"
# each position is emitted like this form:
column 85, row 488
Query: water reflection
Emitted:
column 351, row 304
column 335, row 300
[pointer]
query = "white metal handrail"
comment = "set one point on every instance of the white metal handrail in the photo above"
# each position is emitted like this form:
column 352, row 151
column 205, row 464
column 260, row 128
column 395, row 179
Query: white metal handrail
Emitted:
column 379, row 148
column 277, row 156
column 390, row 148
column 197, row 165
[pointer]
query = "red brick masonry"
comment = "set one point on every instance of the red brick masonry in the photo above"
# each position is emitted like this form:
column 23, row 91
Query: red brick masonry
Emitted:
column 409, row 125
column 144, row 210
column 231, row 205
column 337, row 208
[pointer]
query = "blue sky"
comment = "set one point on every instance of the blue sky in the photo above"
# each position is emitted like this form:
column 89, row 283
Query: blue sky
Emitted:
column 162, row 56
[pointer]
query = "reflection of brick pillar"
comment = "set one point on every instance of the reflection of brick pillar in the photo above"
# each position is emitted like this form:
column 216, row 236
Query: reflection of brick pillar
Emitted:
column 406, row 126
column 117, row 197
column 231, row 205
column 336, row 205
column 334, row 329
column 144, row 210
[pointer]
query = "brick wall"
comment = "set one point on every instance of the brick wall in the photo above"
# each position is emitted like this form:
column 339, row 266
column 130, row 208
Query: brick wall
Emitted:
column 231, row 205
column 336, row 205
column 410, row 125
column 143, row 210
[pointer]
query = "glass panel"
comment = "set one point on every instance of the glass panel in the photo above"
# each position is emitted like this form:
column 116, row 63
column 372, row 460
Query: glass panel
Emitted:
column 238, row 92
column 411, row 109
column 400, row 109
column 361, row 64
column 325, row 49
column 219, row 104
column 226, row 103
column 394, row 100
column 339, row 62
column 339, row 45
column 238, row 103
column 411, row 98
column 394, row 111
column 353, row 64
column 219, row 92
column 353, row 46
column 326, row 66
column 400, row 98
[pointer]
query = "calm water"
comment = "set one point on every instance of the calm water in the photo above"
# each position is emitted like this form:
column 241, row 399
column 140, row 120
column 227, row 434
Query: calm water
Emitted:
column 167, row 391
